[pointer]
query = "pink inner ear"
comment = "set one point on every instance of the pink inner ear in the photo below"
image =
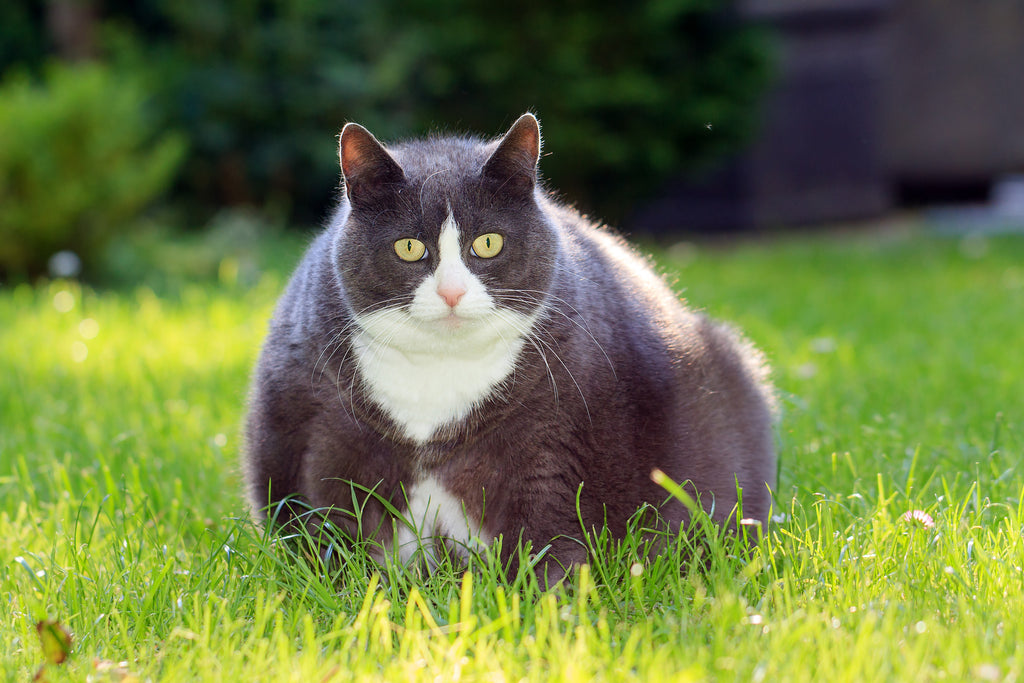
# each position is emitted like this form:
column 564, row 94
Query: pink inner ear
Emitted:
column 353, row 152
column 523, row 140
column 529, row 144
column 349, row 157
column 359, row 150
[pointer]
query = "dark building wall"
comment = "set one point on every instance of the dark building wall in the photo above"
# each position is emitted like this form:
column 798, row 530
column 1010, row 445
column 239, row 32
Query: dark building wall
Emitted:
column 874, row 99
column 954, row 92
column 819, row 156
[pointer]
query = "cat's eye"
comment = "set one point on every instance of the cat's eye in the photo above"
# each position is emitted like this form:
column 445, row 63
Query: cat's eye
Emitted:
column 488, row 246
column 409, row 249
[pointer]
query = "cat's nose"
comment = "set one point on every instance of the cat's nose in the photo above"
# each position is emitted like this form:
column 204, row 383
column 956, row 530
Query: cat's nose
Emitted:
column 451, row 293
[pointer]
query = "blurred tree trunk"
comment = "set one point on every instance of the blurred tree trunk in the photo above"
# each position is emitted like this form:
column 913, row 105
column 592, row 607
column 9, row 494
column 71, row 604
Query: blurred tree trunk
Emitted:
column 72, row 28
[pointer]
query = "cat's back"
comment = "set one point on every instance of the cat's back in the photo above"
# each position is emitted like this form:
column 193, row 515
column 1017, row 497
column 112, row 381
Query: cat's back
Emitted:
column 610, row 282
column 711, row 384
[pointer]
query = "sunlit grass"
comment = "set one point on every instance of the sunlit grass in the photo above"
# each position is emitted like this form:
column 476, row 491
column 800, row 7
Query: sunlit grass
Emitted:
column 901, row 375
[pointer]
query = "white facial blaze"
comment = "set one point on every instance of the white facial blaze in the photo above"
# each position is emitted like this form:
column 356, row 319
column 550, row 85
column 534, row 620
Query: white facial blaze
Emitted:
column 452, row 279
column 429, row 364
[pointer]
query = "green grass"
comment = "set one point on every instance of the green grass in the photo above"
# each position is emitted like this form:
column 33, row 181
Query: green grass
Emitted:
column 901, row 371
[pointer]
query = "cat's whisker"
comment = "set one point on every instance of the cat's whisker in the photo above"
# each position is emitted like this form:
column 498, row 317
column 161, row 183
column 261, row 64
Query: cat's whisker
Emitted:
column 390, row 323
column 509, row 381
column 337, row 337
column 337, row 381
column 548, row 310
column 532, row 337
column 351, row 404
column 574, row 274
column 550, row 346
column 377, row 345
column 333, row 344
column 527, row 297
column 547, row 366
column 392, row 302
column 374, row 342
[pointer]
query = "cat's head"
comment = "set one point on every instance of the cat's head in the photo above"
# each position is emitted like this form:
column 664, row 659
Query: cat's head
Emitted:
column 444, row 237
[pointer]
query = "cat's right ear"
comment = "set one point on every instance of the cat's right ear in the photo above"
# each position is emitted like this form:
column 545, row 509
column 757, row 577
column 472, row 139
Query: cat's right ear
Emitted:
column 514, row 163
column 370, row 173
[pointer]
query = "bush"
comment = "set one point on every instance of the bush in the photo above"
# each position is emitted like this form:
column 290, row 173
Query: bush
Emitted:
column 262, row 89
column 628, row 96
column 625, row 95
column 79, row 160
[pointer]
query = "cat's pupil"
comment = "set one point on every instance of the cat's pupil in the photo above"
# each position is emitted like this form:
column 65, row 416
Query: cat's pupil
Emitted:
column 488, row 242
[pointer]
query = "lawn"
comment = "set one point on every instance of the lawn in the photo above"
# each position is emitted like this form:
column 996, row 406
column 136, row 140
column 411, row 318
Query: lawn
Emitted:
column 899, row 363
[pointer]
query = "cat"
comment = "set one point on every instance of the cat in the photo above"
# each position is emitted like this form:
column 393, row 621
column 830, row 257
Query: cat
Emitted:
column 459, row 347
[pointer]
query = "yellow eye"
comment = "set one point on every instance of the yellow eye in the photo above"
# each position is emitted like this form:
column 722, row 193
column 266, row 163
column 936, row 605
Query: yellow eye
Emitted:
column 409, row 249
column 488, row 246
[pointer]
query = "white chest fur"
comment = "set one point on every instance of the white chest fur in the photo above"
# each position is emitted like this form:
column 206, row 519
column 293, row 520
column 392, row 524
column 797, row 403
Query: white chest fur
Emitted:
column 435, row 513
column 429, row 364
column 424, row 391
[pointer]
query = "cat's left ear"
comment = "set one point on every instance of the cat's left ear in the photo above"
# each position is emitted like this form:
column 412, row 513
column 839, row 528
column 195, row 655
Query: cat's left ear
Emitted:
column 371, row 174
column 514, row 162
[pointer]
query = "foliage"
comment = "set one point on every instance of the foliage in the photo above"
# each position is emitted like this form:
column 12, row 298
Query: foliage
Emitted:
column 122, row 515
column 79, row 159
column 625, row 97
column 21, row 40
column 263, row 86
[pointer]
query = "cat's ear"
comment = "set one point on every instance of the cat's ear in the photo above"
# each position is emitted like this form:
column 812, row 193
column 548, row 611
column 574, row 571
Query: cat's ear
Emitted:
column 371, row 174
column 514, row 163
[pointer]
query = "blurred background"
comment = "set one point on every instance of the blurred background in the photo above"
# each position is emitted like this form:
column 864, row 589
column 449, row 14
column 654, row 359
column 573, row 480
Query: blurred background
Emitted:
column 127, row 126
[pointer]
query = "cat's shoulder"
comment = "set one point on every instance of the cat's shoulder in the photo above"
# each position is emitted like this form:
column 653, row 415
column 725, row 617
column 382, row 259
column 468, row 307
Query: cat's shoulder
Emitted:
column 311, row 292
column 600, row 254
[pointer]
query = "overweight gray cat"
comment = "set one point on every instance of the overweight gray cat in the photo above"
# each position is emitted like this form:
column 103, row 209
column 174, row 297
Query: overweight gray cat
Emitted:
column 492, row 364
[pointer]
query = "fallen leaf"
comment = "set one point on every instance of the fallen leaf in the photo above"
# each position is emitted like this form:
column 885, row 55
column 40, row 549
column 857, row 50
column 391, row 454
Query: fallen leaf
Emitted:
column 56, row 641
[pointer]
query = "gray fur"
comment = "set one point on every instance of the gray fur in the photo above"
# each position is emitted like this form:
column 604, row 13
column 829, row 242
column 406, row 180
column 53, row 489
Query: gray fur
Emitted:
column 642, row 381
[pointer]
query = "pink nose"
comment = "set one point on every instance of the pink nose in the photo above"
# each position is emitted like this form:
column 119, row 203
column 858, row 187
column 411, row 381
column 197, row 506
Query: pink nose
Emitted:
column 451, row 294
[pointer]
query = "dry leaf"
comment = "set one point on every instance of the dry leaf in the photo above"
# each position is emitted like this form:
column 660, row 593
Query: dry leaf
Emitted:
column 56, row 643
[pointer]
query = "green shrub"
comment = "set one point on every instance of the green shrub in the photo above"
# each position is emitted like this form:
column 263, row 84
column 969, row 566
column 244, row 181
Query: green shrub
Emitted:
column 79, row 160
column 628, row 95
column 261, row 87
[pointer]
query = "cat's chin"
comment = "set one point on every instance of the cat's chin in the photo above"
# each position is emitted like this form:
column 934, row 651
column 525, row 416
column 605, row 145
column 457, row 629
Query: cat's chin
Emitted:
column 452, row 321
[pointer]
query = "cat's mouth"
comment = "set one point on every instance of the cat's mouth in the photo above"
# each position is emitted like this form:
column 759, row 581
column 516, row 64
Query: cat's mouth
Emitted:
column 458, row 322
column 445, row 321
column 453, row 321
